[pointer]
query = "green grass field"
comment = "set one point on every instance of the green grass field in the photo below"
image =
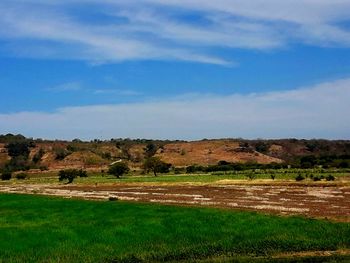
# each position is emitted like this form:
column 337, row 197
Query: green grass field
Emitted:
column 46, row 229
column 94, row 177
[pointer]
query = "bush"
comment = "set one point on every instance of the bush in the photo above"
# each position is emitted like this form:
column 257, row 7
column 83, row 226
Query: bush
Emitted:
column 119, row 169
column 273, row 176
column 21, row 176
column 43, row 168
column 156, row 165
column 299, row 178
column 6, row 175
column 38, row 156
column 71, row 174
column 179, row 170
column 194, row 168
column 61, row 153
column 218, row 173
column 316, row 178
column 330, row 178
column 251, row 176
column 82, row 173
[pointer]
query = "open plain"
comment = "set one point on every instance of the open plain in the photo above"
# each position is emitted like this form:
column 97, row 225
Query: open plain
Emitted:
column 318, row 200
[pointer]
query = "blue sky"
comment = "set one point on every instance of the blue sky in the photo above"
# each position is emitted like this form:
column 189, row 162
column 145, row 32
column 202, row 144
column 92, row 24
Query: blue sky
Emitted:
column 175, row 69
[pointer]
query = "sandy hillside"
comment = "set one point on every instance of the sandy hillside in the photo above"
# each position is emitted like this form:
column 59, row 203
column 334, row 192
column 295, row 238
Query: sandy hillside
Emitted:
column 210, row 152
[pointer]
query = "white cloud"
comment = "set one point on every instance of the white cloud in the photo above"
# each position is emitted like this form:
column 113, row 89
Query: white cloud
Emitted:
column 320, row 111
column 69, row 86
column 156, row 29
column 120, row 92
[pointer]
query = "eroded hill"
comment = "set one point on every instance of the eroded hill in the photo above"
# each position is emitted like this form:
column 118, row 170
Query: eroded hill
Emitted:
column 54, row 155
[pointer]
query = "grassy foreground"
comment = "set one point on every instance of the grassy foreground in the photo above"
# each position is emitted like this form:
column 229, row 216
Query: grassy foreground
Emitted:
column 45, row 229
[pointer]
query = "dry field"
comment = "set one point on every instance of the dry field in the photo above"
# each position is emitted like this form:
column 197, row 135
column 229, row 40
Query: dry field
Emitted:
column 318, row 201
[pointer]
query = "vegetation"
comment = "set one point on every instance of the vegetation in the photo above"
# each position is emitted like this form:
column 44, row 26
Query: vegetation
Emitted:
column 37, row 157
column 251, row 176
column 6, row 175
column 150, row 150
column 19, row 153
column 330, row 177
column 21, row 176
column 305, row 154
column 61, row 153
column 177, row 175
column 227, row 166
column 156, row 165
column 64, row 230
column 299, row 178
column 118, row 169
column 71, row 174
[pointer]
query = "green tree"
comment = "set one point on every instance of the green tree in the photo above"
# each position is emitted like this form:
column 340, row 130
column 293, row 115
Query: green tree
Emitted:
column 20, row 148
column 156, row 165
column 150, row 150
column 71, row 174
column 119, row 169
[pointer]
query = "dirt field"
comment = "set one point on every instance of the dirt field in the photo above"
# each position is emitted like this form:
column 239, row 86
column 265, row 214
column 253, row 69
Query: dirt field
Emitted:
column 332, row 202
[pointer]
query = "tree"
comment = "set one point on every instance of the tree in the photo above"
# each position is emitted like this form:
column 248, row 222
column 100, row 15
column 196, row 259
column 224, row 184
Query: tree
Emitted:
column 71, row 174
column 20, row 148
column 262, row 147
column 156, row 165
column 150, row 150
column 119, row 169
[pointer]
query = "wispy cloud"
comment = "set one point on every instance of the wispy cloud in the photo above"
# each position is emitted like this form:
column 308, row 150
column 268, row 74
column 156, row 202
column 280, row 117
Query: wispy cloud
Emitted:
column 83, row 88
column 162, row 30
column 319, row 111
column 121, row 92
column 69, row 86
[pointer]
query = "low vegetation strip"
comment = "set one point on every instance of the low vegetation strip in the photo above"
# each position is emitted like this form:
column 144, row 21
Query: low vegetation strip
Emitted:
column 51, row 229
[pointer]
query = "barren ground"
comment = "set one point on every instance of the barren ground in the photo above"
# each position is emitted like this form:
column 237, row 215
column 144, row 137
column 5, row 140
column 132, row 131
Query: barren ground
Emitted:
column 319, row 201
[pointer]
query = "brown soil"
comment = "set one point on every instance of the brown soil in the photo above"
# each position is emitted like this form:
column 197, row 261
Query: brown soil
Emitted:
column 210, row 152
column 332, row 202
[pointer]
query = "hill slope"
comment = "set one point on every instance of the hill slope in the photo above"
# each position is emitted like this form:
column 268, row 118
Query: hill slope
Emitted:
column 97, row 154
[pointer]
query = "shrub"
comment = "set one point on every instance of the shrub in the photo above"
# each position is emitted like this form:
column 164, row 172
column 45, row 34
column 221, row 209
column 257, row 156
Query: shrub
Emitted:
column 330, row 177
column 316, row 178
column 21, row 176
column 299, row 177
column 273, row 176
column 106, row 155
column 251, row 176
column 119, row 169
column 61, row 153
column 194, row 168
column 43, row 168
column 38, row 156
column 156, row 165
column 82, row 173
column 71, row 174
column 218, row 173
column 179, row 170
column 6, row 175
